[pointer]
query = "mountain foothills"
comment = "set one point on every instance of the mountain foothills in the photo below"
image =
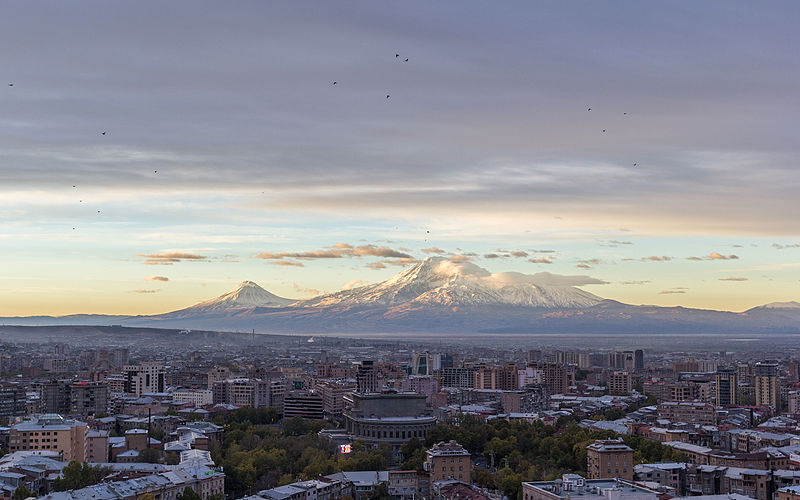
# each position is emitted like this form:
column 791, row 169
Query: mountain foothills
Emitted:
column 440, row 295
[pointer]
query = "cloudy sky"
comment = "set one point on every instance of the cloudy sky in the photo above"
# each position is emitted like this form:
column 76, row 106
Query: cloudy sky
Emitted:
column 229, row 154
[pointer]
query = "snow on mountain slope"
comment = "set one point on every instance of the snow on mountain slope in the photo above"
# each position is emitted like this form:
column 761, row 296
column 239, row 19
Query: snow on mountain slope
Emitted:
column 780, row 305
column 246, row 295
column 437, row 281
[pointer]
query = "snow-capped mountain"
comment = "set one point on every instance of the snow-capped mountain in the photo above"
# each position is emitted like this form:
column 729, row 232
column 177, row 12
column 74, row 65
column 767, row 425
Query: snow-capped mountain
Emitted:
column 246, row 295
column 439, row 295
column 437, row 281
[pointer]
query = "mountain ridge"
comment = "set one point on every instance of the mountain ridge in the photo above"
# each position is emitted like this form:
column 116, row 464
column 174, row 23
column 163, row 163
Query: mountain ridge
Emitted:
column 441, row 295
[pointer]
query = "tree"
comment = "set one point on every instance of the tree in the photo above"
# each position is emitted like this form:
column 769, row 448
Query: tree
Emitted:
column 22, row 493
column 189, row 494
column 150, row 456
column 77, row 475
column 614, row 414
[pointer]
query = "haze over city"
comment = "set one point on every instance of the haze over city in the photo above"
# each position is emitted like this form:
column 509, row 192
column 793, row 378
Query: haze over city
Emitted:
column 151, row 161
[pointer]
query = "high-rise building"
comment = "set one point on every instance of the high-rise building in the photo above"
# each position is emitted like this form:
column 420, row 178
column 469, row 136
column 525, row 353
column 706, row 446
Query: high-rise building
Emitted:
column 422, row 363
column 304, row 404
column 367, row 377
column 554, row 377
column 765, row 375
column 252, row 392
column 218, row 374
column 619, row 383
column 89, row 398
column 332, row 392
column 727, row 387
column 12, row 400
column 54, row 396
column 638, row 360
column 144, row 378
column 463, row 377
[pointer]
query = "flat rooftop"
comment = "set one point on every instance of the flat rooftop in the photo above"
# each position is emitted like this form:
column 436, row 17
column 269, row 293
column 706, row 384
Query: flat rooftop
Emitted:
column 594, row 489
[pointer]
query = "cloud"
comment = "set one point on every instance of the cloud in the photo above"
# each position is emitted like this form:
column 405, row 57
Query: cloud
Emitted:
column 780, row 246
column 435, row 250
column 519, row 253
column 354, row 284
column 302, row 289
column 492, row 256
column 656, row 258
column 287, row 263
column 714, row 256
column 376, row 265
column 583, row 266
column 550, row 279
column 169, row 258
column 733, row 279
column 336, row 251
column 635, row 282
column 156, row 278
column 618, row 242
column 540, row 260
column 668, row 292
column 460, row 257
column 590, row 261
column 145, row 291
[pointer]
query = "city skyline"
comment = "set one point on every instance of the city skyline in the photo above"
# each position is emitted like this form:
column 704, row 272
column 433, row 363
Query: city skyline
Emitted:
column 151, row 162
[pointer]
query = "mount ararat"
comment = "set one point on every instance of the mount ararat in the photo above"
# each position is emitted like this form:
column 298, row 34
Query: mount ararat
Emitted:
column 440, row 295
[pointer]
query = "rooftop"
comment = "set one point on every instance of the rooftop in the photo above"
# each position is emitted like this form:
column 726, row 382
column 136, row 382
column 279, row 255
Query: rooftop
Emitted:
column 599, row 489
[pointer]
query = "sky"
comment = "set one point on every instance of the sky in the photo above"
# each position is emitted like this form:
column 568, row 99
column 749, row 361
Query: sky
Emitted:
column 652, row 146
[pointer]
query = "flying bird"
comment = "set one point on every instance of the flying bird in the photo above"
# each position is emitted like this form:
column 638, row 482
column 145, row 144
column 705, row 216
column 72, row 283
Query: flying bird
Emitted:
column 387, row 96
column 635, row 164
column 396, row 56
column 604, row 130
column 10, row 84
column 102, row 133
column 406, row 59
column 589, row 109
column 334, row 83
column 155, row 171
column 624, row 113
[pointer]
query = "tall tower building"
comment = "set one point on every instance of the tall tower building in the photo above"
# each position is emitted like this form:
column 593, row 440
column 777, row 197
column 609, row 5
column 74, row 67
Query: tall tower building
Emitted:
column 422, row 364
column 638, row 360
column 765, row 375
column 367, row 377
column 145, row 377
column 727, row 387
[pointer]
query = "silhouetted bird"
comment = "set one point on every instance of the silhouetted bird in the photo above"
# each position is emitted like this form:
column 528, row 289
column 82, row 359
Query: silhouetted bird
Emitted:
column 334, row 83
column 155, row 171
column 396, row 56
column 624, row 113
column 102, row 133
column 387, row 96
column 604, row 130
column 635, row 164
column 98, row 211
column 406, row 59
column 589, row 109
column 10, row 84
